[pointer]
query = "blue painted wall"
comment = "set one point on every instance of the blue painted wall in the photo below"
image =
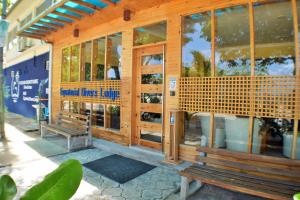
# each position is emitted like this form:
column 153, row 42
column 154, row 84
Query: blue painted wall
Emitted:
column 22, row 82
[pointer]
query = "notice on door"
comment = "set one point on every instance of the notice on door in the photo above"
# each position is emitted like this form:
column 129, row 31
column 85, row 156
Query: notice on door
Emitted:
column 172, row 86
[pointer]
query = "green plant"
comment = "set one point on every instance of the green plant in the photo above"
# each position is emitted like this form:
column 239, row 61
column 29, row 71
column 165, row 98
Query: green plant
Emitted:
column 8, row 188
column 60, row 184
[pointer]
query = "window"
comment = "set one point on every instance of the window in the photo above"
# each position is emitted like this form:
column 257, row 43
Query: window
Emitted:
column 150, row 34
column 74, row 67
column 196, row 128
column 196, row 45
column 232, row 49
column 74, row 107
column 113, row 117
column 99, row 60
column 85, row 108
column 65, row 106
column 98, row 115
column 274, row 39
column 231, row 132
column 114, row 55
column 65, row 68
column 86, row 61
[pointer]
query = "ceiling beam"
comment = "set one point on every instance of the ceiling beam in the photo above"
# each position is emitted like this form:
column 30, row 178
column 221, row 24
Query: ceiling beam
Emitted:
column 51, row 25
column 88, row 5
column 108, row 2
column 66, row 15
column 35, row 33
column 39, row 30
column 30, row 36
column 56, row 20
column 74, row 10
column 44, row 27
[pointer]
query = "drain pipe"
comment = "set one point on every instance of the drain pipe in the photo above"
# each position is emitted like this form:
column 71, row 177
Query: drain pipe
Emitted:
column 50, row 82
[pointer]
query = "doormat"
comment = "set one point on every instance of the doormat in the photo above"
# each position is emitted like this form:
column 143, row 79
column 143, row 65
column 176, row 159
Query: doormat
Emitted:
column 119, row 168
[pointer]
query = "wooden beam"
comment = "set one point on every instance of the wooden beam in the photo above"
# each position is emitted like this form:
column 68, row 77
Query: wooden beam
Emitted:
column 43, row 27
column 55, row 26
column 57, row 5
column 88, row 5
column 108, row 2
column 66, row 15
column 77, row 11
column 30, row 35
column 57, row 20
column 39, row 31
column 35, row 33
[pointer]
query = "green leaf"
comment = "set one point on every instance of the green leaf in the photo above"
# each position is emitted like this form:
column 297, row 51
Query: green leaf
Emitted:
column 296, row 196
column 60, row 184
column 8, row 188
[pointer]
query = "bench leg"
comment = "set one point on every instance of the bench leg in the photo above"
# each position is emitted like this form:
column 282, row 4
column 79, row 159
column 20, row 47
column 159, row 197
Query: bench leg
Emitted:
column 184, row 190
column 69, row 144
column 86, row 142
column 43, row 132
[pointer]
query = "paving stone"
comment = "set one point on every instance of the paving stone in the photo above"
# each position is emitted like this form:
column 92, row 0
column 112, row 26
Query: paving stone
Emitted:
column 114, row 192
column 151, row 194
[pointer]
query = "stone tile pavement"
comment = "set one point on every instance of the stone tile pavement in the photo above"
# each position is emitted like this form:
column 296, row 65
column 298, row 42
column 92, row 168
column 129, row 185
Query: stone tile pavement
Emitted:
column 28, row 166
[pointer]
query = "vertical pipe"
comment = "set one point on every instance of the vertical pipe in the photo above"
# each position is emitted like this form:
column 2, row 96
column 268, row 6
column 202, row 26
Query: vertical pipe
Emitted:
column 50, row 82
column 2, row 131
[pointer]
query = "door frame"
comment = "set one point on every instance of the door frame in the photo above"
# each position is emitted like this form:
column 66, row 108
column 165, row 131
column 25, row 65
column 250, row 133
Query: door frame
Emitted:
column 134, row 139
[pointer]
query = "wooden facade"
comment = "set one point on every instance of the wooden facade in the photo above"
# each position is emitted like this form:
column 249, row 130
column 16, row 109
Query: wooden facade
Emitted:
column 280, row 97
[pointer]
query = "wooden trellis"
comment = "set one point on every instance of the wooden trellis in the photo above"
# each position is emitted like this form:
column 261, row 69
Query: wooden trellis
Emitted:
column 269, row 96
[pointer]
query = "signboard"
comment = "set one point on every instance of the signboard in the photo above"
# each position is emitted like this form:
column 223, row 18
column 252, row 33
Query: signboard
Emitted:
column 85, row 92
column 23, row 82
column 172, row 86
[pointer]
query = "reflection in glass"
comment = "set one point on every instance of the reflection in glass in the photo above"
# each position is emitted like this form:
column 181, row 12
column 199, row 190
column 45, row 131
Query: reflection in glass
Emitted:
column 231, row 132
column 274, row 39
column 85, row 108
column 112, row 119
column 65, row 67
column 150, row 34
column 74, row 68
column 86, row 61
column 152, row 60
column 74, row 107
column 114, row 56
column 152, row 79
column 196, row 45
column 151, row 117
column 232, row 41
column 196, row 128
column 65, row 106
column 151, row 98
column 99, row 59
column 151, row 136
column 276, row 137
column 98, row 115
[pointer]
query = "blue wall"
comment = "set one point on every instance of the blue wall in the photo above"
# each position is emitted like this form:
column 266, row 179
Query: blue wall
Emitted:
column 22, row 82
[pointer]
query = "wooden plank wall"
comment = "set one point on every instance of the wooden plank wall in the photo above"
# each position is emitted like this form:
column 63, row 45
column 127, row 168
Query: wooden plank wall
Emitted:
column 92, row 27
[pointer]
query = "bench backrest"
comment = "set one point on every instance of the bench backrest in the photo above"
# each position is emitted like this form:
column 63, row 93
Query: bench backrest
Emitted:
column 74, row 121
column 266, row 166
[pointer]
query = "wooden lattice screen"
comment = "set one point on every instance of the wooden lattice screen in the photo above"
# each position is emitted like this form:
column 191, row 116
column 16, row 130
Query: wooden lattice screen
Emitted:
column 261, row 96
column 93, row 85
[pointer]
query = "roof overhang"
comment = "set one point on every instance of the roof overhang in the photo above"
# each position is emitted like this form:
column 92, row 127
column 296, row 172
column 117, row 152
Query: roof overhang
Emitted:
column 61, row 14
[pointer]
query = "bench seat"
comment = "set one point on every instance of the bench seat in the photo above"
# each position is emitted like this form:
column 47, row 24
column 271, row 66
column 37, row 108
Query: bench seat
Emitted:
column 71, row 126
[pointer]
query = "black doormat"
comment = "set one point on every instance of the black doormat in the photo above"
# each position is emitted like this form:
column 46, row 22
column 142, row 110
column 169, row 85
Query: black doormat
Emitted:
column 119, row 168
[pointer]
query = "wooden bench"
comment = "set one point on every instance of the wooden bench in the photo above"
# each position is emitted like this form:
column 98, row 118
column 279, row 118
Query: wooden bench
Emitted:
column 71, row 126
column 264, row 176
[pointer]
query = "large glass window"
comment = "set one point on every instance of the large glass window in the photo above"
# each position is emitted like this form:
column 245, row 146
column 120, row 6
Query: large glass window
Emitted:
column 114, row 56
column 232, row 41
column 86, row 55
column 85, row 108
column 196, row 128
column 231, row 132
column 196, row 45
column 74, row 67
column 150, row 34
column 274, row 39
column 99, row 59
column 74, row 107
column 65, row 66
column 273, row 137
column 113, row 117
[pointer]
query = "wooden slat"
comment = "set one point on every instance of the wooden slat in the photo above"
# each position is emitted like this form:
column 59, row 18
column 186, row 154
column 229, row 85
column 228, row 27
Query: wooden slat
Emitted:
column 108, row 2
column 152, row 69
column 77, row 11
column 56, row 20
column 88, row 5
column 151, row 107
column 148, row 88
column 75, row 115
column 49, row 26
column 254, row 157
column 148, row 126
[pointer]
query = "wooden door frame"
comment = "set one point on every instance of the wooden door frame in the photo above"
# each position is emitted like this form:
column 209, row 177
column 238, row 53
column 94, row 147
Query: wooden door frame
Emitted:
column 135, row 55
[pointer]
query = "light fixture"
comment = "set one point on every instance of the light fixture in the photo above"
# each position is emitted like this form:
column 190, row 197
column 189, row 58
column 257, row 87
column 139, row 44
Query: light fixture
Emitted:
column 127, row 15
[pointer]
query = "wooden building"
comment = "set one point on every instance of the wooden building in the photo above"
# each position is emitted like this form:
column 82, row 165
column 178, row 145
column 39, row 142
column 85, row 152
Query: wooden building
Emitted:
column 172, row 75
